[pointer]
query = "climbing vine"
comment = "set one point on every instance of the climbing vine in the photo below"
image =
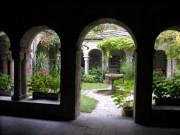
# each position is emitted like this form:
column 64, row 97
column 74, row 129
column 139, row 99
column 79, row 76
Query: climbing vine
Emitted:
column 170, row 41
column 115, row 43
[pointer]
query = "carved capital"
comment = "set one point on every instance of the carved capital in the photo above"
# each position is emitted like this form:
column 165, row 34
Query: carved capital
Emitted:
column 16, row 54
column 4, row 55
column 21, row 54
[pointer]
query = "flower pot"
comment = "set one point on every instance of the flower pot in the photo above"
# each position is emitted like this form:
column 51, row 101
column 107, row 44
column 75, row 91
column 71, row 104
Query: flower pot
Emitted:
column 105, row 81
column 127, row 112
column 5, row 93
column 43, row 95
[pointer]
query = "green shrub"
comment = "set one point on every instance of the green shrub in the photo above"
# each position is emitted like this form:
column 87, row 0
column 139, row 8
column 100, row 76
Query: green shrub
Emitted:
column 6, row 82
column 39, row 82
column 127, row 69
column 166, row 87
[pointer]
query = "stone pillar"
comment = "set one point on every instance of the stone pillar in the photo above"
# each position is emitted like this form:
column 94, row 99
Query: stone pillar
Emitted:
column 78, row 82
column 17, row 75
column 129, row 54
column 103, row 64
column 4, row 57
column 143, row 83
column 25, row 53
column 174, row 64
column 169, row 67
column 11, row 66
column 86, row 64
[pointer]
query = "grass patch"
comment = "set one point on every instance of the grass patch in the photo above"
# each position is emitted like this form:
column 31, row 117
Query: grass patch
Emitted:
column 88, row 104
column 90, row 86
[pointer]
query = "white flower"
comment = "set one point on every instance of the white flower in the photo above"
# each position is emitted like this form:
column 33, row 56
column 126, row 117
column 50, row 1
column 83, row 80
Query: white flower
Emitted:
column 129, row 98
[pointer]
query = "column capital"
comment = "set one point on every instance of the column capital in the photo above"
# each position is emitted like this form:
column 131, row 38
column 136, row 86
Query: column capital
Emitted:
column 4, row 56
column 15, row 54
column 86, row 58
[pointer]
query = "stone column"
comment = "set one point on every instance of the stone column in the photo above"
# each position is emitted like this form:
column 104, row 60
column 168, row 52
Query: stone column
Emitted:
column 129, row 54
column 11, row 66
column 143, row 81
column 26, row 54
column 103, row 63
column 169, row 67
column 86, row 64
column 17, row 75
column 78, row 82
column 4, row 57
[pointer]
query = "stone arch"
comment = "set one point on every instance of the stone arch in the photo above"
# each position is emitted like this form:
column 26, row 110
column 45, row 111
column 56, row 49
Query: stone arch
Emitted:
column 97, row 22
column 163, row 61
column 29, row 36
column 30, row 45
column 171, row 63
column 6, row 62
column 84, row 33
column 95, row 58
column 101, row 21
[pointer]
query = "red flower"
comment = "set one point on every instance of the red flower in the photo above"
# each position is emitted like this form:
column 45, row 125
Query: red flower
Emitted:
column 42, row 73
column 33, row 72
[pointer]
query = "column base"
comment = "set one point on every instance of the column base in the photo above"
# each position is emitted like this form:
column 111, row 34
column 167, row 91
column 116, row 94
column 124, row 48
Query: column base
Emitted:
column 17, row 98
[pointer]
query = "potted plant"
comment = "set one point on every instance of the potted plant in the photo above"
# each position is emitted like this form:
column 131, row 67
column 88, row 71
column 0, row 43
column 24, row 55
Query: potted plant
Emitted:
column 104, row 78
column 44, row 86
column 6, row 85
column 125, row 98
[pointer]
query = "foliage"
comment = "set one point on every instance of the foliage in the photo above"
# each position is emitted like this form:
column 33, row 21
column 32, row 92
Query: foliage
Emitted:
column 51, row 39
column 104, row 71
column 170, row 40
column 40, row 82
column 166, row 87
column 159, row 87
column 55, row 69
column 39, row 62
column 6, row 82
column 118, row 84
column 88, row 104
column 125, row 99
column 174, row 86
column 96, row 74
column 88, row 78
column 127, row 69
column 115, row 43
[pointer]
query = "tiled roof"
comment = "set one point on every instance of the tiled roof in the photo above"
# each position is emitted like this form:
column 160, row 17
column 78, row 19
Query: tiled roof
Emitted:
column 108, row 33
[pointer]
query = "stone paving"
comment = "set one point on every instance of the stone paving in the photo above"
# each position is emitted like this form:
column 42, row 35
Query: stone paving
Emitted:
column 105, row 107
column 104, row 120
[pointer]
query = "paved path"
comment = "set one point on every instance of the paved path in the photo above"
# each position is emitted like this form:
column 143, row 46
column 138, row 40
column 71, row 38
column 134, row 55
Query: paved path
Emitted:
column 105, row 107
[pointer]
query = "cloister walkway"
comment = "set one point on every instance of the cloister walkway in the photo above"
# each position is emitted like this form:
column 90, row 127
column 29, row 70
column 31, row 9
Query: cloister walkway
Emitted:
column 104, row 120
